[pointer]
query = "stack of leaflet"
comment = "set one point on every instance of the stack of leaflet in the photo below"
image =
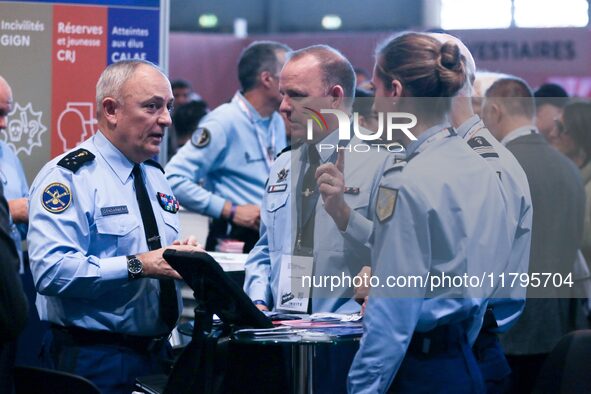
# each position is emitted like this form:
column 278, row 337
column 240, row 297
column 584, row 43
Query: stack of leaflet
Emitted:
column 283, row 333
column 229, row 246
column 230, row 262
column 315, row 327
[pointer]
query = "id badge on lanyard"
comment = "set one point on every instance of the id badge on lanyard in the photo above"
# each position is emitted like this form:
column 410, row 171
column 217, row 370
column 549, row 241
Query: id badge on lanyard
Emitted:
column 295, row 281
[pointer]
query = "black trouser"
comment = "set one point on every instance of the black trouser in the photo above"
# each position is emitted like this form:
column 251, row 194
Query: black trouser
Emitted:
column 218, row 229
column 111, row 361
column 445, row 357
column 7, row 356
column 492, row 362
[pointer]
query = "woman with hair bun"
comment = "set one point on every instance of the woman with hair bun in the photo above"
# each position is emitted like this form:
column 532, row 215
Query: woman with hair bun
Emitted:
column 439, row 214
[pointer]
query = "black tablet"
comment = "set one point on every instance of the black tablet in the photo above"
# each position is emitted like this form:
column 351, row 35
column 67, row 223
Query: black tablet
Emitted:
column 220, row 293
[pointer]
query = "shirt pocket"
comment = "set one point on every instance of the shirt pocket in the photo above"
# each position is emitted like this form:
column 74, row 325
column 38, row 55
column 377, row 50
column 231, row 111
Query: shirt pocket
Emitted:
column 251, row 158
column 358, row 202
column 119, row 233
column 171, row 228
column 279, row 220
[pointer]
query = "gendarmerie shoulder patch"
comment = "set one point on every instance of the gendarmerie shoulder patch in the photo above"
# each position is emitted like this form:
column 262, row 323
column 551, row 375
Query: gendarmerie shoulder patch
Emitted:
column 76, row 159
column 481, row 146
column 201, row 137
column 56, row 197
column 154, row 163
column 385, row 203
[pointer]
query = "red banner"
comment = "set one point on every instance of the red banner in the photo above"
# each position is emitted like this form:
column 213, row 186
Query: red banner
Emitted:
column 79, row 56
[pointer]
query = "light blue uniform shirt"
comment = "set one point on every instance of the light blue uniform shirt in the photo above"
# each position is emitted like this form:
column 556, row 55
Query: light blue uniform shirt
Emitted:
column 233, row 157
column 15, row 186
column 335, row 252
column 78, row 256
column 447, row 215
column 507, row 303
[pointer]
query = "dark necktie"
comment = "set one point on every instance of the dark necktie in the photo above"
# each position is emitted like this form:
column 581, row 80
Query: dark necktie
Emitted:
column 309, row 198
column 168, row 299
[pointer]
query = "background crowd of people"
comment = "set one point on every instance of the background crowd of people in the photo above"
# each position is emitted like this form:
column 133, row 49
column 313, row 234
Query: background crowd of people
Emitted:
column 496, row 179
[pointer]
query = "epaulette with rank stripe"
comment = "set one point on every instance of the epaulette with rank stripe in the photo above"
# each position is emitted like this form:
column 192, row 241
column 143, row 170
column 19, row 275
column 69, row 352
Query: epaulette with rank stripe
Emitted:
column 76, row 159
column 397, row 165
column 481, row 146
column 154, row 163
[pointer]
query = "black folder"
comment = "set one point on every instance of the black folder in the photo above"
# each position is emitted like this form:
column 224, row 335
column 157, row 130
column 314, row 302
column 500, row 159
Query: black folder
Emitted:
column 221, row 294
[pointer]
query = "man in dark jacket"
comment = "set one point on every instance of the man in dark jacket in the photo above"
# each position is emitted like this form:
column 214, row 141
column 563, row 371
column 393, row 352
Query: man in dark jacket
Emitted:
column 558, row 204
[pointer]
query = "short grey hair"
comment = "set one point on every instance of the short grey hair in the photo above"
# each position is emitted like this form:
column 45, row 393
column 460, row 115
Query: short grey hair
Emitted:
column 115, row 76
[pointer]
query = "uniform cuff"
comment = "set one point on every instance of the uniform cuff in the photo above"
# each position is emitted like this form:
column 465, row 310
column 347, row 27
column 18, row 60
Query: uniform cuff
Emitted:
column 114, row 268
column 358, row 228
column 215, row 207
column 259, row 294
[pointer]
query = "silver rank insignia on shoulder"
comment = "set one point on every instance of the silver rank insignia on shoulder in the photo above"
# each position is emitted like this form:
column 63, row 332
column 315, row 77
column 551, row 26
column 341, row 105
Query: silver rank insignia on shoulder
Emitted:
column 277, row 188
column 385, row 203
column 201, row 137
column 56, row 197
column 76, row 159
column 282, row 175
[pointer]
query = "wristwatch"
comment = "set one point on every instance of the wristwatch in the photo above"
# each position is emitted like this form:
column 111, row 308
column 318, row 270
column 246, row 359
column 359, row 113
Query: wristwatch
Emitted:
column 135, row 268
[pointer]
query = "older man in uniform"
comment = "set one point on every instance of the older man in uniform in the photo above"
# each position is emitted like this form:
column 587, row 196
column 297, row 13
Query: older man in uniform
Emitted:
column 100, row 216
column 233, row 149
column 13, row 177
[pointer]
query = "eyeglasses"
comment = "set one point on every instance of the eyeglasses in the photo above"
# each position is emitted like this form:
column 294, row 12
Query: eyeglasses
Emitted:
column 560, row 126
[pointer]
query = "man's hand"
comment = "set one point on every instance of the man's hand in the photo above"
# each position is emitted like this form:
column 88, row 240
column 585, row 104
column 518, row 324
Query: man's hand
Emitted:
column 19, row 210
column 331, row 184
column 362, row 291
column 191, row 241
column 156, row 267
column 248, row 215
column 364, row 305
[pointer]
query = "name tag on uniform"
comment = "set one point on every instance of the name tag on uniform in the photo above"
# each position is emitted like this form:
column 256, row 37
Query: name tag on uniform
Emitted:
column 295, row 280
column 118, row 210
column 277, row 188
